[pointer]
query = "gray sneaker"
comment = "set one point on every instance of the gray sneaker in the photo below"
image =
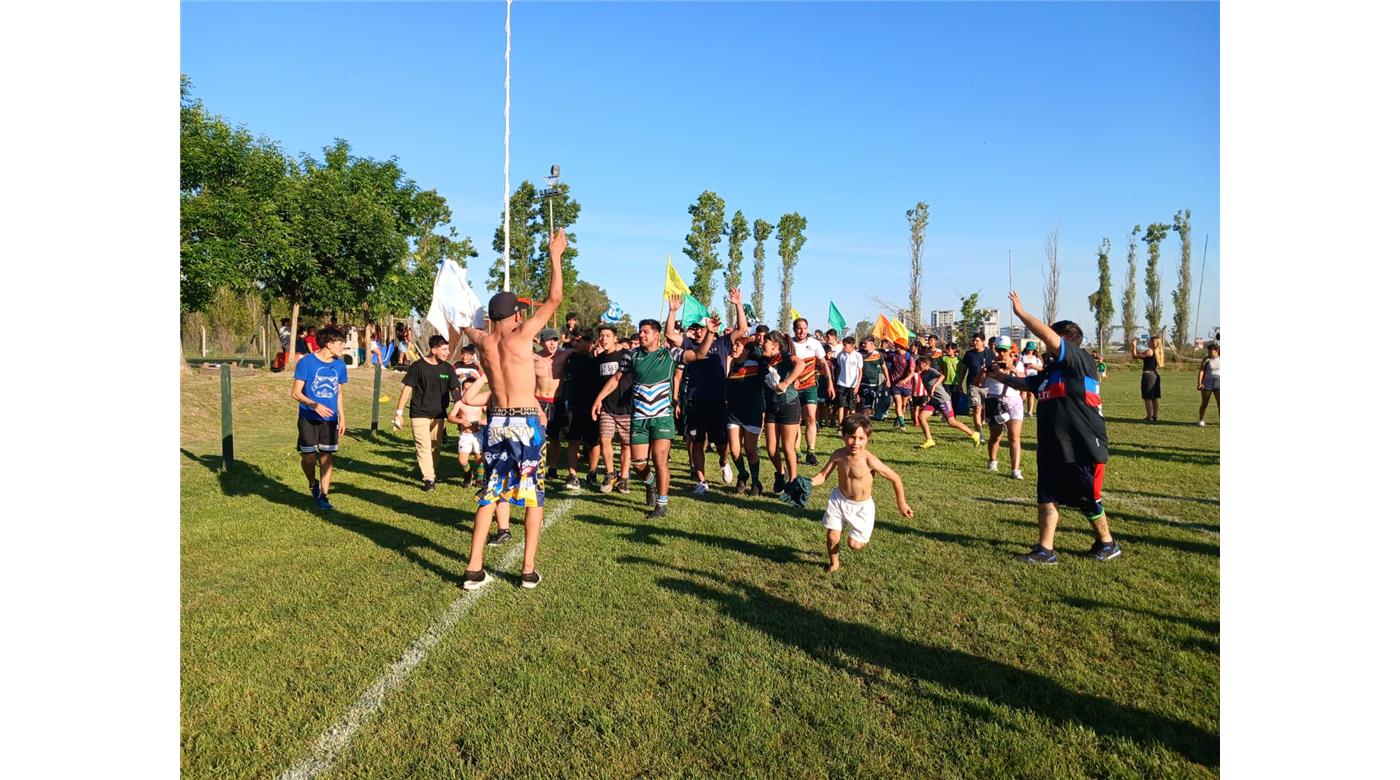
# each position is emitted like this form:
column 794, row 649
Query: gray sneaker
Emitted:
column 1105, row 551
column 499, row 539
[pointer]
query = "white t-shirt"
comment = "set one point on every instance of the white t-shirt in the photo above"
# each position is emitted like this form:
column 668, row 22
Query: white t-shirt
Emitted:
column 848, row 368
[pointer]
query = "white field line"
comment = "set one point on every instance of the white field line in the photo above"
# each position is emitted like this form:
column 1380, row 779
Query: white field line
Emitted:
column 335, row 739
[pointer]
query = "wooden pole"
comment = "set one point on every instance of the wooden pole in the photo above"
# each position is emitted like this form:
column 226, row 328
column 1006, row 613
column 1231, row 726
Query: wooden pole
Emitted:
column 267, row 360
column 203, row 342
column 226, row 404
column 374, row 400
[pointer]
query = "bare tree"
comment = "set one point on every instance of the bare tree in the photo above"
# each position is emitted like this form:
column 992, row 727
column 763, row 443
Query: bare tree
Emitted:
column 1052, row 274
column 918, row 224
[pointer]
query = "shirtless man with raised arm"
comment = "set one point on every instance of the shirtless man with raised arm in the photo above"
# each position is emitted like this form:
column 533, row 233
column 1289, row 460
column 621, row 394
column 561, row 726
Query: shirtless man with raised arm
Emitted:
column 514, row 434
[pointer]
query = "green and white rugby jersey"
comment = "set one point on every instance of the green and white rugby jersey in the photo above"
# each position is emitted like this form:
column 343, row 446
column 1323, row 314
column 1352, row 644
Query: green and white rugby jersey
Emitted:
column 652, row 373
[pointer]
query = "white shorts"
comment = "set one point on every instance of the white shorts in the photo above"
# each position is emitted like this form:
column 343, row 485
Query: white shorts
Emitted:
column 1012, row 404
column 858, row 516
column 471, row 443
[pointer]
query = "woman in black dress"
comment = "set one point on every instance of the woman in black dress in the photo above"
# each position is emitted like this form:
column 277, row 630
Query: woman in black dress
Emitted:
column 1152, row 359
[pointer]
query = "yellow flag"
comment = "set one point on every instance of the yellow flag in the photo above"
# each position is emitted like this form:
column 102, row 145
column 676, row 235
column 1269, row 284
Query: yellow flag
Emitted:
column 675, row 286
column 795, row 315
column 901, row 333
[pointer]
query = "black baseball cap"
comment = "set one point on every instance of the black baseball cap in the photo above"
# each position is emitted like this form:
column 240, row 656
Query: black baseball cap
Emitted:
column 503, row 304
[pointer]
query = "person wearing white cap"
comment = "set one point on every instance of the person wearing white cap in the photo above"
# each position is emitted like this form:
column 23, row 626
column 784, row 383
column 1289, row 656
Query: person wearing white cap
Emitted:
column 1004, row 409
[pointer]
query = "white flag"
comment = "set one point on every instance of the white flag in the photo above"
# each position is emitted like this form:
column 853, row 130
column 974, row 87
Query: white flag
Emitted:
column 454, row 301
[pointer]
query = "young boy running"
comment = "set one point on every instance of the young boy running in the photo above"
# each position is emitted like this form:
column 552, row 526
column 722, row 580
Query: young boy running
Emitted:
column 851, row 506
column 938, row 401
column 848, row 364
column 873, row 373
column 316, row 385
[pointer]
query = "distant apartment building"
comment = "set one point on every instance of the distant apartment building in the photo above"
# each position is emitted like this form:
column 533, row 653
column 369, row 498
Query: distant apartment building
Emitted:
column 1016, row 332
column 991, row 324
column 943, row 321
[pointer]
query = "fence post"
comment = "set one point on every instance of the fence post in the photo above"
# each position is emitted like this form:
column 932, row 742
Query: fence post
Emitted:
column 374, row 402
column 226, row 402
column 267, row 360
column 203, row 342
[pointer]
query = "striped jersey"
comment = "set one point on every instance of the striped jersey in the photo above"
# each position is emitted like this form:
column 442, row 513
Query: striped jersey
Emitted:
column 652, row 373
column 806, row 354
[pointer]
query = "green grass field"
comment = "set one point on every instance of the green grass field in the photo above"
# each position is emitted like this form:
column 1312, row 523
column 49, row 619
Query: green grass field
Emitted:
column 711, row 643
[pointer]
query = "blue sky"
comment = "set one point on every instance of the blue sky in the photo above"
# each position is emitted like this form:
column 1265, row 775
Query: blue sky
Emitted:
column 1006, row 117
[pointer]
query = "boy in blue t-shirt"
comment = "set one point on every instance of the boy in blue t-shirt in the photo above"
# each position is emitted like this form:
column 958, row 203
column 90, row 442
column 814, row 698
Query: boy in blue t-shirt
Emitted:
column 321, row 418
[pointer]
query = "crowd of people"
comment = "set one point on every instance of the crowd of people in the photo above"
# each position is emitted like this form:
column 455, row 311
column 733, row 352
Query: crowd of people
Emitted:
column 534, row 406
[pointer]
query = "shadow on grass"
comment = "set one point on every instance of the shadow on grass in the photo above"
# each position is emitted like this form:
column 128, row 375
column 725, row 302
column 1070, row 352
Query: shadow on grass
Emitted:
column 1165, row 454
column 1071, row 515
column 1140, row 421
column 1208, row 501
column 248, row 480
column 827, row 640
column 643, row 533
column 1211, row 627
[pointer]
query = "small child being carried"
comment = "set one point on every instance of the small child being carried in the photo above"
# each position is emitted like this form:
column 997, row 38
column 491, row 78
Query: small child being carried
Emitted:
column 851, row 506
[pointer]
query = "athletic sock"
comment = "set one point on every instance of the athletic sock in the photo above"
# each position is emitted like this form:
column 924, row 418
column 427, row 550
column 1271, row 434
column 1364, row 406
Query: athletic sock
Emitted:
column 661, row 501
column 743, row 469
column 753, row 469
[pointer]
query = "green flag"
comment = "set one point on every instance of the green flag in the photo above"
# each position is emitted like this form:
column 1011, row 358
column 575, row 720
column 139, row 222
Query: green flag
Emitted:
column 834, row 318
column 692, row 311
column 748, row 312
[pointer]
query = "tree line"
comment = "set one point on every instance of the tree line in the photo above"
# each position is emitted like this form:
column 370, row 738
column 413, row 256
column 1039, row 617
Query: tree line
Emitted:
column 340, row 232
column 709, row 227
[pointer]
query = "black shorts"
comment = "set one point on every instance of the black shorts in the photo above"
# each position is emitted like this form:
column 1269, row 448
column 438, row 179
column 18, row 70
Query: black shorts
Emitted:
column 707, row 419
column 846, row 397
column 1071, row 484
column 868, row 394
column 556, row 419
column 317, row 435
column 782, row 414
column 582, row 426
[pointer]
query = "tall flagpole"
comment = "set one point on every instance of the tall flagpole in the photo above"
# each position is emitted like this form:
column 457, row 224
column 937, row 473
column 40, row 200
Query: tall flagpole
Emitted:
column 1010, row 313
column 505, row 258
column 1202, row 288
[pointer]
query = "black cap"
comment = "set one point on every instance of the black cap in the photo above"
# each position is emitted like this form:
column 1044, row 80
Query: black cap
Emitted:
column 503, row 304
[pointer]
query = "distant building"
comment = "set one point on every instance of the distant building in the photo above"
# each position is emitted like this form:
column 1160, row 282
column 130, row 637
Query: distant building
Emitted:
column 943, row 321
column 991, row 324
column 1016, row 332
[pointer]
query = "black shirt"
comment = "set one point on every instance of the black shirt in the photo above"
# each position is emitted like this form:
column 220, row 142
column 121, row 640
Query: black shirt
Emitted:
column 432, row 388
column 974, row 362
column 705, row 378
column 618, row 401
column 584, row 381
column 1071, row 425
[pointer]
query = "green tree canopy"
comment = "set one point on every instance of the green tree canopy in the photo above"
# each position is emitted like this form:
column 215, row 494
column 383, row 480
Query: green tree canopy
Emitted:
column 790, row 243
column 701, row 244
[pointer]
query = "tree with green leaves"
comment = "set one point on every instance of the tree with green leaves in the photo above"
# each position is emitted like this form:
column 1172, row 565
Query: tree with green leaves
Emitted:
column 761, row 231
column 918, row 225
column 790, row 242
column 1153, row 237
column 971, row 318
column 1101, row 300
column 591, row 302
column 233, row 216
column 529, row 243
column 353, row 217
column 1181, row 296
column 409, row 284
column 702, row 243
column 863, row 329
column 1130, row 324
column 738, row 231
